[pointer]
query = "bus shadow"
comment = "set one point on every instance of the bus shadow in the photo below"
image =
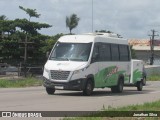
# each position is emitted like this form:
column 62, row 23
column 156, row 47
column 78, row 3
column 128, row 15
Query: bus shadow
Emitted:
column 102, row 93
column 124, row 93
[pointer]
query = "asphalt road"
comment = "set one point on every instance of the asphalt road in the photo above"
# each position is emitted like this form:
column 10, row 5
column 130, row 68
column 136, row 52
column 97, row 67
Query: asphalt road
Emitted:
column 36, row 99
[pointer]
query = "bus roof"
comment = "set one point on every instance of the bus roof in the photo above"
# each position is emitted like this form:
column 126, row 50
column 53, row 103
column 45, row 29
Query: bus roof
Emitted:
column 76, row 38
column 92, row 37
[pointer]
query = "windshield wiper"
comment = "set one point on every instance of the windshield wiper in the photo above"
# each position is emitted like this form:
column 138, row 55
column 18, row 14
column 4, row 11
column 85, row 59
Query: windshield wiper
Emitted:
column 65, row 59
column 77, row 59
column 59, row 58
column 52, row 58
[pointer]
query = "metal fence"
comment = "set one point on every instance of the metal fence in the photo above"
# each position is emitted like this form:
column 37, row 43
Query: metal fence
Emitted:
column 152, row 70
column 7, row 70
column 156, row 60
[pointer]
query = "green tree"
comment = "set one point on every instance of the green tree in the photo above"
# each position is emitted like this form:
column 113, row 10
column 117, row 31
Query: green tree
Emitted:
column 133, row 53
column 30, row 12
column 3, row 18
column 30, row 27
column 31, row 34
column 72, row 22
column 48, row 44
column 14, row 32
column 8, row 41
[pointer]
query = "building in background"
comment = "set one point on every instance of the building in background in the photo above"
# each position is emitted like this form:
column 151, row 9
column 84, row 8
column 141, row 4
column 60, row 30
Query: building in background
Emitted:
column 142, row 49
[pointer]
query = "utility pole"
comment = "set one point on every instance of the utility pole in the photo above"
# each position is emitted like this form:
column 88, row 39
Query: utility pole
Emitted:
column 25, row 54
column 152, row 46
column 92, row 16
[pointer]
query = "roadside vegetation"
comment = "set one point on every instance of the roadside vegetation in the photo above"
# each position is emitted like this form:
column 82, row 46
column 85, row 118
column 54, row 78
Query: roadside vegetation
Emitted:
column 155, row 77
column 22, row 82
column 153, row 107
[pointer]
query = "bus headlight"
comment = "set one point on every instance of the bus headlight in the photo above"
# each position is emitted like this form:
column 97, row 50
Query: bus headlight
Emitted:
column 78, row 71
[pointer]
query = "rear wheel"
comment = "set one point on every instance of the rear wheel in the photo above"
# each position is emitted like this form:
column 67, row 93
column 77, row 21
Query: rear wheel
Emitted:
column 144, row 77
column 119, row 87
column 139, row 85
column 88, row 88
column 113, row 89
column 144, row 80
column 50, row 91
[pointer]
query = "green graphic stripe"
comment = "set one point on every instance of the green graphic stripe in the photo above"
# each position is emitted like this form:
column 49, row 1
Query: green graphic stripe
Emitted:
column 108, row 77
column 137, row 75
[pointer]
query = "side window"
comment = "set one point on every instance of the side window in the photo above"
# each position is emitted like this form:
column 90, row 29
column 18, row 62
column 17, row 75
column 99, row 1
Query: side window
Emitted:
column 95, row 55
column 124, row 52
column 115, row 52
column 105, row 52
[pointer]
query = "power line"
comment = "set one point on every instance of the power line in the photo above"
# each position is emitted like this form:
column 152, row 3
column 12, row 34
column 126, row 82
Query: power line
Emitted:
column 92, row 15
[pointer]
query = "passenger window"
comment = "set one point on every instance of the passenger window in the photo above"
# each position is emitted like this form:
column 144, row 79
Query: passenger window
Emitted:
column 110, row 52
column 105, row 52
column 124, row 53
column 115, row 52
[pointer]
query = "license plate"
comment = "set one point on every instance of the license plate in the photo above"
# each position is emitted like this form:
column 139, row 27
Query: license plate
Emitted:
column 59, row 87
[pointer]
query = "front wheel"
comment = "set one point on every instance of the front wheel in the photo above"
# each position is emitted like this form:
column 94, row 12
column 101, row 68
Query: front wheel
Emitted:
column 50, row 91
column 88, row 88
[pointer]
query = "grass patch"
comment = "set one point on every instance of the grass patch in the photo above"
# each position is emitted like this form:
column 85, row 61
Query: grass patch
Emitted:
column 23, row 82
column 154, row 78
column 153, row 107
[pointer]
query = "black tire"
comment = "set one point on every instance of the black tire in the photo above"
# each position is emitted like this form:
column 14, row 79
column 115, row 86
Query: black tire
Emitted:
column 139, row 85
column 50, row 91
column 144, row 77
column 88, row 88
column 114, row 89
column 119, row 87
column 144, row 81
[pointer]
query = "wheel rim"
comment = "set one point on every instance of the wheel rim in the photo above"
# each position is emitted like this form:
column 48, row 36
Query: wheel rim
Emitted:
column 89, row 87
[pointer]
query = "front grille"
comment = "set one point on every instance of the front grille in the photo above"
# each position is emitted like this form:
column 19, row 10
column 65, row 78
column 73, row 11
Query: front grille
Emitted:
column 59, row 75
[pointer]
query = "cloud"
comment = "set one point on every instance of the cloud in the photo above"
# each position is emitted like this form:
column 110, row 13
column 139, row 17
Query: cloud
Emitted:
column 130, row 18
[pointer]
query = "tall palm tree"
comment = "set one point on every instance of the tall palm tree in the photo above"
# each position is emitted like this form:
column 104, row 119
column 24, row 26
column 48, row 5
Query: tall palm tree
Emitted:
column 72, row 22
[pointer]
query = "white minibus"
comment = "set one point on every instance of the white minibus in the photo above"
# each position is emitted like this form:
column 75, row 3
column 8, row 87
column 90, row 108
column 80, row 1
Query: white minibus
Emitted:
column 88, row 61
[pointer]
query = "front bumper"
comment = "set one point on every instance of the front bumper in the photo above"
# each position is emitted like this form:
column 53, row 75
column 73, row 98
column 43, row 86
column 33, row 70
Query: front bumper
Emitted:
column 72, row 85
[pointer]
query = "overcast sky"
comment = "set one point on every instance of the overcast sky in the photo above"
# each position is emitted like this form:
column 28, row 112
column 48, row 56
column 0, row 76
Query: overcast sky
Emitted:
column 129, row 18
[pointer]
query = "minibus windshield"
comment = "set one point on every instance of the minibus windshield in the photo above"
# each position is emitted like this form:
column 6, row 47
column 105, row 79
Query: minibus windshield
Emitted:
column 71, row 52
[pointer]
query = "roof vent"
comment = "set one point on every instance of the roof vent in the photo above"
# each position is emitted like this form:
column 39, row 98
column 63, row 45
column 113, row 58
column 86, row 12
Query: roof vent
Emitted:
column 105, row 34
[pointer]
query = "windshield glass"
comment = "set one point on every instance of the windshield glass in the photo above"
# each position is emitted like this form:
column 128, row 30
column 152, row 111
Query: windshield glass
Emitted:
column 71, row 51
